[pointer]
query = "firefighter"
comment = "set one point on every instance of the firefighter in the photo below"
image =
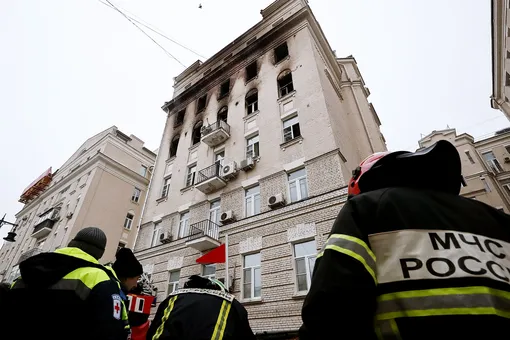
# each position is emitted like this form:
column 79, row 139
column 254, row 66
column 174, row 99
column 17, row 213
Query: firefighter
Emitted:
column 67, row 294
column 202, row 310
column 410, row 253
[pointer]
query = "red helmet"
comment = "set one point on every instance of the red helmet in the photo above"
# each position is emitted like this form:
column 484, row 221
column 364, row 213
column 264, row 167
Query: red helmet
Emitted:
column 363, row 167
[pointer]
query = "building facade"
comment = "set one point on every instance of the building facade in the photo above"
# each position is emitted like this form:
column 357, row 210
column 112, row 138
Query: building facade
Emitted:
column 103, row 184
column 500, row 27
column 485, row 165
column 259, row 145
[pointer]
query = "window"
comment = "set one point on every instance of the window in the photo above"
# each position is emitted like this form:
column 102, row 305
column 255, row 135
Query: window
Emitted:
column 305, row 254
column 184, row 224
column 485, row 184
column 507, row 148
column 155, row 234
column 470, row 158
column 214, row 212
column 224, row 88
column 252, row 147
column 179, row 118
column 173, row 281
column 251, row 276
column 492, row 161
column 291, row 129
column 252, row 201
column 507, row 188
column 136, row 195
column 128, row 222
column 173, row 146
column 219, row 157
column 285, row 84
column 281, row 52
column 252, row 101
column 120, row 246
column 143, row 170
column 190, row 178
column 251, row 71
column 196, row 134
column 166, row 187
column 298, row 186
column 209, row 270
column 223, row 114
column 201, row 102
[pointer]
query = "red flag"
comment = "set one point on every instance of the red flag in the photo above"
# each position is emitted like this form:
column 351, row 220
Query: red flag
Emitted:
column 217, row 255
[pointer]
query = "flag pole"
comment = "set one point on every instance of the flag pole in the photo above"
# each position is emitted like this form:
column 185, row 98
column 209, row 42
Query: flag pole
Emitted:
column 227, row 276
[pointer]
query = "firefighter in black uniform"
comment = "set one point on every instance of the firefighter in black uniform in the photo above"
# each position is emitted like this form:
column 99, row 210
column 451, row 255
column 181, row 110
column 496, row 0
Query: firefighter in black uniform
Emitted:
column 408, row 258
column 202, row 310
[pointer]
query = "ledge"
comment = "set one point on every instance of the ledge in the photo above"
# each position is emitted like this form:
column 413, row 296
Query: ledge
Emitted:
column 299, row 296
column 162, row 199
column 296, row 140
column 188, row 188
column 256, row 301
column 287, row 96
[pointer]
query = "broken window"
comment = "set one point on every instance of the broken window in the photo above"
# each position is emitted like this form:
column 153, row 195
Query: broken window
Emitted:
column 223, row 114
column 201, row 103
column 179, row 118
column 251, row 71
column 173, row 146
column 225, row 88
column 281, row 52
column 196, row 135
column 285, row 84
column 252, row 101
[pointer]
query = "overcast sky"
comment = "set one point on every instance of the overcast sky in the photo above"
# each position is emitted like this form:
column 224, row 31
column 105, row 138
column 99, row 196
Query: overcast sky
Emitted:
column 70, row 69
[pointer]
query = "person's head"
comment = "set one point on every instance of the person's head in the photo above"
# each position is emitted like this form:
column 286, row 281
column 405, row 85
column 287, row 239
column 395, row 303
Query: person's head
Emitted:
column 437, row 168
column 196, row 281
column 127, row 268
column 91, row 240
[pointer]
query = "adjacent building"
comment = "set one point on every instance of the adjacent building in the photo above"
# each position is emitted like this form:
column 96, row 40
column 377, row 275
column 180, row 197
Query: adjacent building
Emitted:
column 103, row 184
column 259, row 144
column 485, row 165
column 500, row 26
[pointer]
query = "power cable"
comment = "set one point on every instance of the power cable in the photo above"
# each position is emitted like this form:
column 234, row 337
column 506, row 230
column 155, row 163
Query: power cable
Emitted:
column 155, row 29
column 154, row 41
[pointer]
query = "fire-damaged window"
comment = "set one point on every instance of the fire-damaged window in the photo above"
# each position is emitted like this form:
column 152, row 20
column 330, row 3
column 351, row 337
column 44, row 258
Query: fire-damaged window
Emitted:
column 179, row 118
column 173, row 146
column 285, row 84
column 224, row 88
column 223, row 114
column 281, row 52
column 201, row 103
column 196, row 134
column 251, row 71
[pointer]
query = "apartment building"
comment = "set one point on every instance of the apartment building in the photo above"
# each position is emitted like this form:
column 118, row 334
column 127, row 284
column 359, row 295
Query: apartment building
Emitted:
column 103, row 184
column 485, row 164
column 500, row 29
column 259, row 144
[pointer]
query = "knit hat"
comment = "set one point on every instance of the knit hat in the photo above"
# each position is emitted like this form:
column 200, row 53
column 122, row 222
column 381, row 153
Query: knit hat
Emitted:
column 126, row 265
column 91, row 240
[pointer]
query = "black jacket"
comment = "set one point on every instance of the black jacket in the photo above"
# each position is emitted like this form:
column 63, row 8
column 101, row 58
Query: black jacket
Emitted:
column 423, row 264
column 200, row 314
column 64, row 295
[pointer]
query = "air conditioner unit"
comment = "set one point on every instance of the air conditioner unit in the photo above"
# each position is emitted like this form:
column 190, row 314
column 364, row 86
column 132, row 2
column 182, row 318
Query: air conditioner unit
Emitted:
column 247, row 164
column 507, row 159
column 165, row 237
column 229, row 170
column 227, row 216
column 69, row 215
column 276, row 201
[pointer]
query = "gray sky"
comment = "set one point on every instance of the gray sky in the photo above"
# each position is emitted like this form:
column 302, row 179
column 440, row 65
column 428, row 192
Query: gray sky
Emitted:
column 69, row 69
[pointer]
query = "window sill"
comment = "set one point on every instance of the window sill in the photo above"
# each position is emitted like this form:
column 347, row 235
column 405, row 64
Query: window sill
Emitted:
column 178, row 125
column 251, row 115
column 194, row 146
column 83, row 185
column 162, row 199
column 188, row 188
column 137, row 203
column 126, row 229
column 251, row 79
column 169, row 160
column 281, row 61
column 299, row 295
column 287, row 96
column 72, row 192
column 223, row 96
column 255, row 301
column 296, row 140
column 200, row 111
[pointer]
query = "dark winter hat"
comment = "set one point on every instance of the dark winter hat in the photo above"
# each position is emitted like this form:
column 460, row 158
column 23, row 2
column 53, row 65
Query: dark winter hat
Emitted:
column 91, row 240
column 126, row 264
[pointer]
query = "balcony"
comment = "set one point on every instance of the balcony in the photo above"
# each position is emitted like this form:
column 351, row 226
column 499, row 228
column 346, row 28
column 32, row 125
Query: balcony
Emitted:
column 28, row 254
column 209, row 180
column 203, row 235
column 46, row 222
column 216, row 133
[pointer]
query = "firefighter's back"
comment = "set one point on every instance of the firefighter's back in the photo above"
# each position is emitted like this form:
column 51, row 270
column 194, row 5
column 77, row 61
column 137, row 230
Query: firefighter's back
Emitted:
column 443, row 264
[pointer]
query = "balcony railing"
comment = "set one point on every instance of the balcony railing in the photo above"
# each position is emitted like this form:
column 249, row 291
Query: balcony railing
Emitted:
column 204, row 228
column 219, row 124
column 209, row 172
column 216, row 133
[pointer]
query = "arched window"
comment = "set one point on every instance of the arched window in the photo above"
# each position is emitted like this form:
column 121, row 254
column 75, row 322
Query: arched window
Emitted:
column 252, row 101
column 173, row 146
column 223, row 114
column 285, row 84
column 196, row 135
